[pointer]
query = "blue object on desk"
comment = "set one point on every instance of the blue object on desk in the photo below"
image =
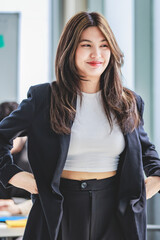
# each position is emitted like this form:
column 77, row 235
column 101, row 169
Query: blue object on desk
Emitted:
column 3, row 219
column 1, row 41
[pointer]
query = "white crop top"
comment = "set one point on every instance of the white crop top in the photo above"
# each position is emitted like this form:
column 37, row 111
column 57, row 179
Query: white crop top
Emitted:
column 93, row 146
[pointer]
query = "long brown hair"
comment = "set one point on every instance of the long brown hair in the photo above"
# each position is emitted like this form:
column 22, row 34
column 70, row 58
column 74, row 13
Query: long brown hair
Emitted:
column 115, row 98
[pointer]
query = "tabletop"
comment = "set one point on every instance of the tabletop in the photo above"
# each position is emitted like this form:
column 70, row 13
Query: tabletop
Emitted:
column 6, row 232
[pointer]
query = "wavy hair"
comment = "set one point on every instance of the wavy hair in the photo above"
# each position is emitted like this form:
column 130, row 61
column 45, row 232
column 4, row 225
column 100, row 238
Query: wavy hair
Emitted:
column 116, row 99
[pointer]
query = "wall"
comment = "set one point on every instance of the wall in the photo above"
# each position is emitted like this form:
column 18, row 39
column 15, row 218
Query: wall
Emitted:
column 34, row 42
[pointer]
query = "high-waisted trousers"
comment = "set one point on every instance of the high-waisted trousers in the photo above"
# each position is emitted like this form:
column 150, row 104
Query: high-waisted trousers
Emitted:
column 89, row 210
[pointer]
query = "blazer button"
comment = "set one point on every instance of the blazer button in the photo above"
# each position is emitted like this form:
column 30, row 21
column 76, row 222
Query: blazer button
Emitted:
column 83, row 185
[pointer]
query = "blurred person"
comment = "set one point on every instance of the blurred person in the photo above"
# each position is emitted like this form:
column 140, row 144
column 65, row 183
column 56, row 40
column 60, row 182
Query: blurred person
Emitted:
column 86, row 143
column 8, row 205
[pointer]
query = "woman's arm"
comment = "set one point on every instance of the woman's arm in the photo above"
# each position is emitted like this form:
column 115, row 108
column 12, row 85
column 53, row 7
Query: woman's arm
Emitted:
column 18, row 144
column 151, row 161
column 25, row 181
column 16, row 124
column 152, row 186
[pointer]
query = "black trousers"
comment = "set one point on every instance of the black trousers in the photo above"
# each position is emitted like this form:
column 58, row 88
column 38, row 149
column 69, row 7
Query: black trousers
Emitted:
column 89, row 210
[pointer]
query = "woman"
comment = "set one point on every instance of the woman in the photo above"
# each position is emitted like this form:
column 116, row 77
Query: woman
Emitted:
column 86, row 143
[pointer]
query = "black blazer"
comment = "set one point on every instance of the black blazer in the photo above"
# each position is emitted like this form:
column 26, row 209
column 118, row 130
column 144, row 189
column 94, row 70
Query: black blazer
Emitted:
column 47, row 153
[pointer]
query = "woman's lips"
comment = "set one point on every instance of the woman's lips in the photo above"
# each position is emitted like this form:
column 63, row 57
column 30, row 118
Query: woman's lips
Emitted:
column 95, row 63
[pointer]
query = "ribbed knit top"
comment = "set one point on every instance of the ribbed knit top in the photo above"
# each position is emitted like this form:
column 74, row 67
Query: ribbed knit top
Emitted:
column 93, row 146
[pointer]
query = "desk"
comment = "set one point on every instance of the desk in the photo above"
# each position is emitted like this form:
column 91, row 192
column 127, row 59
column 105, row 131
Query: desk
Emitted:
column 7, row 233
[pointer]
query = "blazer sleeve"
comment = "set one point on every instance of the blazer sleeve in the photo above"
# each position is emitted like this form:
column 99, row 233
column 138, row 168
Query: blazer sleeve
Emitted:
column 151, row 161
column 16, row 124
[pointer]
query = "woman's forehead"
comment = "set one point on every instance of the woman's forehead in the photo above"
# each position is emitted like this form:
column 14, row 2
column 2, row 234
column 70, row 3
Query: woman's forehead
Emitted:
column 92, row 33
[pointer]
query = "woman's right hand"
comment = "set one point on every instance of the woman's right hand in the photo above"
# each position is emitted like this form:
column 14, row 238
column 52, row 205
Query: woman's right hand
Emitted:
column 25, row 181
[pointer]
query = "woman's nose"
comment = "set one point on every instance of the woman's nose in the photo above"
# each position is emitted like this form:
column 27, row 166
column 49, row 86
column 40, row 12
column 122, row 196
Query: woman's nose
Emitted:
column 95, row 53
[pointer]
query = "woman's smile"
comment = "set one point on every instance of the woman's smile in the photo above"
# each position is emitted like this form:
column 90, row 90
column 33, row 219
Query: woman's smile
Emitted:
column 95, row 63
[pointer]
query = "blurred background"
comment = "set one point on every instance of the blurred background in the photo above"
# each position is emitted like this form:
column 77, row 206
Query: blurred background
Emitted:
column 29, row 34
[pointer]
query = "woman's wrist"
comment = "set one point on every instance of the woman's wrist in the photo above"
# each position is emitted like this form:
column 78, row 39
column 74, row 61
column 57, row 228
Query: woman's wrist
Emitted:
column 25, row 181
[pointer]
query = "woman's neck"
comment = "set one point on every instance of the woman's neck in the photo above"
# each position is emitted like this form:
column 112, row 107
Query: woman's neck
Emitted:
column 88, row 87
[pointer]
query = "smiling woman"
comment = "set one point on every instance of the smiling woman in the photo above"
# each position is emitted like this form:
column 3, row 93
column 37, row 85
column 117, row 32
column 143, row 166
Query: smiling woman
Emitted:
column 86, row 143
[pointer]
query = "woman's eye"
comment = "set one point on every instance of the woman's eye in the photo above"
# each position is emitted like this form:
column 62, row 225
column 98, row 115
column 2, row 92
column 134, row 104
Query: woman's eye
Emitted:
column 105, row 45
column 85, row 45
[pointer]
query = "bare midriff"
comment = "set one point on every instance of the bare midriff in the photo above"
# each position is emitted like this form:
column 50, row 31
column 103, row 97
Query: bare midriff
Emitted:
column 75, row 175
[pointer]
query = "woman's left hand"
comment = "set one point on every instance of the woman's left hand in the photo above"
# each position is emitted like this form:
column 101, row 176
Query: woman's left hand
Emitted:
column 152, row 186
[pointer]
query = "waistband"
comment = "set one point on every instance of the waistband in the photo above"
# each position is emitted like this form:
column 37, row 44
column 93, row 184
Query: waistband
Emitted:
column 89, row 184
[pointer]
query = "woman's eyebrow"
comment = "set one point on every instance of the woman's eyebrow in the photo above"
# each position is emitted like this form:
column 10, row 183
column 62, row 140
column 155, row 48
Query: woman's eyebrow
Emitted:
column 86, row 40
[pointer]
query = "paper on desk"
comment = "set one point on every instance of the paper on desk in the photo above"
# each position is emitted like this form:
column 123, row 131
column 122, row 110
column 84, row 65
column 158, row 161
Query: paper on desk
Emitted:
column 3, row 225
column 4, row 213
column 16, row 223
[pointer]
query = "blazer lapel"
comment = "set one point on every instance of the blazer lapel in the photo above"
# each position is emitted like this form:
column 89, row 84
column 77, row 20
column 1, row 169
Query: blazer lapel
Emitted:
column 129, row 171
column 131, row 209
column 64, row 140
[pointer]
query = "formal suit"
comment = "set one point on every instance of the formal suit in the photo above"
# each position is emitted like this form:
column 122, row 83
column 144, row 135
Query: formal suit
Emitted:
column 47, row 152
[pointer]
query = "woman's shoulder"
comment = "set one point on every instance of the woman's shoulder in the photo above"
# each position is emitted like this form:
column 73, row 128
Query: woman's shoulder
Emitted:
column 40, row 95
column 138, row 98
column 40, row 89
column 43, row 88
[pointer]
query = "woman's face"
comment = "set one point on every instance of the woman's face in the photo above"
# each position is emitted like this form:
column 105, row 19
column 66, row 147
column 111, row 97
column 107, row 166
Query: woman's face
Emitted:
column 92, row 54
